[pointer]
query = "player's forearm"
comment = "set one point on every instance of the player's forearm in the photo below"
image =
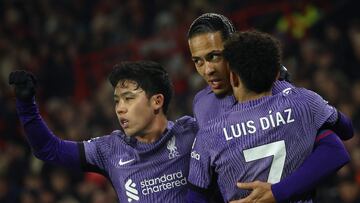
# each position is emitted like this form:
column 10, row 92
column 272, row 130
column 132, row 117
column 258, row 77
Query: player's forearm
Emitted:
column 328, row 156
column 46, row 146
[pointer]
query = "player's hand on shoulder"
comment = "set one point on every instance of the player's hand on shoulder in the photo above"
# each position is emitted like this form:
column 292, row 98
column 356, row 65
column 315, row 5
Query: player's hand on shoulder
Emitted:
column 261, row 192
column 24, row 83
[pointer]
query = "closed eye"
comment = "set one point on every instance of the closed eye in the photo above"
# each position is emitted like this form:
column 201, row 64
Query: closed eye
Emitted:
column 128, row 98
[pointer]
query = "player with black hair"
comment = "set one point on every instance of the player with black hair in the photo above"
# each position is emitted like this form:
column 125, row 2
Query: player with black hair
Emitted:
column 206, row 37
column 264, row 136
column 247, row 53
column 146, row 161
column 148, row 75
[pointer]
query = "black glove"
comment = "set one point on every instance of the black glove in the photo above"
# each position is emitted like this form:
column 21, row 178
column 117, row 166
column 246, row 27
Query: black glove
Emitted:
column 284, row 74
column 24, row 83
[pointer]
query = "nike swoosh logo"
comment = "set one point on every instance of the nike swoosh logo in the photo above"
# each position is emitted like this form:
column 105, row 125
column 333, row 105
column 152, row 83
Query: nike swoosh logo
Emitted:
column 125, row 162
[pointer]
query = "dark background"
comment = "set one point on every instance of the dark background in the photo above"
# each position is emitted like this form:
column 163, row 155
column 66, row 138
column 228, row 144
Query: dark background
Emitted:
column 71, row 45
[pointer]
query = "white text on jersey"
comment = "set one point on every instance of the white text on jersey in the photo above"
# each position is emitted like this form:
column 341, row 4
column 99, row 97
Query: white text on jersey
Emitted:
column 266, row 122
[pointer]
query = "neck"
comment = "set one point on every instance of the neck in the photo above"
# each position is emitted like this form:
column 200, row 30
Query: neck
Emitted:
column 154, row 130
column 246, row 95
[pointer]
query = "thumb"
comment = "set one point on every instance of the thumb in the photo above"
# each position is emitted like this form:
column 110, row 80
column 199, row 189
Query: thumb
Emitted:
column 245, row 186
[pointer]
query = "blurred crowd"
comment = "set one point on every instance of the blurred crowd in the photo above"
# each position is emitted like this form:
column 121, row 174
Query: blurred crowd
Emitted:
column 71, row 46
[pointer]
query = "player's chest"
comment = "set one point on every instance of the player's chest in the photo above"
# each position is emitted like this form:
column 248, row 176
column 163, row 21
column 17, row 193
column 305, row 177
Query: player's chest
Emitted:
column 145, row 178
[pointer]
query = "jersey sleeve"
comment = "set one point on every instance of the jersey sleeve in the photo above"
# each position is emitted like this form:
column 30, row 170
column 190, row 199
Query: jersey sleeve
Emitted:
column 94, row 155
column 189, row 122
column 328, row 156
column 280, row 86
column 322, row 112
column 44, row 143
column 343, row 127
column 200, row 172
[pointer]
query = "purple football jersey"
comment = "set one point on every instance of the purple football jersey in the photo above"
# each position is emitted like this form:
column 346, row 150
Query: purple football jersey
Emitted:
column 264, row 139
column 207, row 105
column 140, row 172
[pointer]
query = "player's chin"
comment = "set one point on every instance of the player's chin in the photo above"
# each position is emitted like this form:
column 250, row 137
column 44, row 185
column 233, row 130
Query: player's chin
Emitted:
column 221, row 92
column 129, row 132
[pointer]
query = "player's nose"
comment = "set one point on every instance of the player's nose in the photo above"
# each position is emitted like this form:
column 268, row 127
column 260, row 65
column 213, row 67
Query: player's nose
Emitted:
column 209, row 68
column 121, row 108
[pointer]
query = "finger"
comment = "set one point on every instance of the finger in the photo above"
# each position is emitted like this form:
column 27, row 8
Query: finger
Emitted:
column 240, row 201
column 245, row 186
column 245, row 200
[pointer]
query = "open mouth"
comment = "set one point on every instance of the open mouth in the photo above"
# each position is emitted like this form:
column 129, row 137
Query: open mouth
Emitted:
column 124, row 123
column 215, row 83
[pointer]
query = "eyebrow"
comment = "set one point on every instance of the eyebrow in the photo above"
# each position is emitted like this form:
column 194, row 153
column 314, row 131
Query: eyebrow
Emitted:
column 124, row 94
column 207, row 54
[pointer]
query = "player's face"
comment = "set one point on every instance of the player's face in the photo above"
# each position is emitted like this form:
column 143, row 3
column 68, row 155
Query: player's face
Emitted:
column 206, row 52
column 133, row 109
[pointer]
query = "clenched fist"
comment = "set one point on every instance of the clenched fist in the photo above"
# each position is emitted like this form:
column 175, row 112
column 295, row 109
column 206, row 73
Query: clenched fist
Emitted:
column 24, row 83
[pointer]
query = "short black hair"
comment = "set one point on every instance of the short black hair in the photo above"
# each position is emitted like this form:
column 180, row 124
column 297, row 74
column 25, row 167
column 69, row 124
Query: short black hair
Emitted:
column 210, row 23
column 255, row 57
column 149, row 76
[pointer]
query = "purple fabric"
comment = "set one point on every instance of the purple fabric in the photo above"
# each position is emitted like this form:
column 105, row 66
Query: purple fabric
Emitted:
column 146, row 172
column 207, row 106
column 328, row 156
column 46, row 146
column 343, row 127
column 240, row 144
column 195, row 197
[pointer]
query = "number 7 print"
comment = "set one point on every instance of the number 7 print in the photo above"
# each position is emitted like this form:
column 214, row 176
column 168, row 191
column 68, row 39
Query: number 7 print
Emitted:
column 276, row 149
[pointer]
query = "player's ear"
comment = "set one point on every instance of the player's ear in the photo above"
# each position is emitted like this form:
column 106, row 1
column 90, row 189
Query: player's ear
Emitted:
column 234, row 80
column 157, row 101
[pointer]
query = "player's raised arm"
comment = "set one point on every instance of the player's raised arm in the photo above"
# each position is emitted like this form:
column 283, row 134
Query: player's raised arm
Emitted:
column 45, row 145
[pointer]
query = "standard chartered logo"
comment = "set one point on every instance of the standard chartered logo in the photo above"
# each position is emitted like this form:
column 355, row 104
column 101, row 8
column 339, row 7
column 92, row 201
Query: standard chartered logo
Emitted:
column 131, row 191
column 164, row 182
column 155, row 185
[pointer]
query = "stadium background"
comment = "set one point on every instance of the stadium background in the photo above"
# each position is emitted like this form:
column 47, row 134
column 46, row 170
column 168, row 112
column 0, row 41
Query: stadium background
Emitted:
column 72, row 44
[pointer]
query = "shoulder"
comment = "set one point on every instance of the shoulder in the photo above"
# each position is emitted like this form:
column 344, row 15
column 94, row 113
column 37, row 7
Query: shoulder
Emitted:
column 301, row 93
column 105, row 141
column 202, row 94
column 187, row 122
column 280, row 86
column 293, row 92
column 214, row 126
column 303, row 97
column 282, row 83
